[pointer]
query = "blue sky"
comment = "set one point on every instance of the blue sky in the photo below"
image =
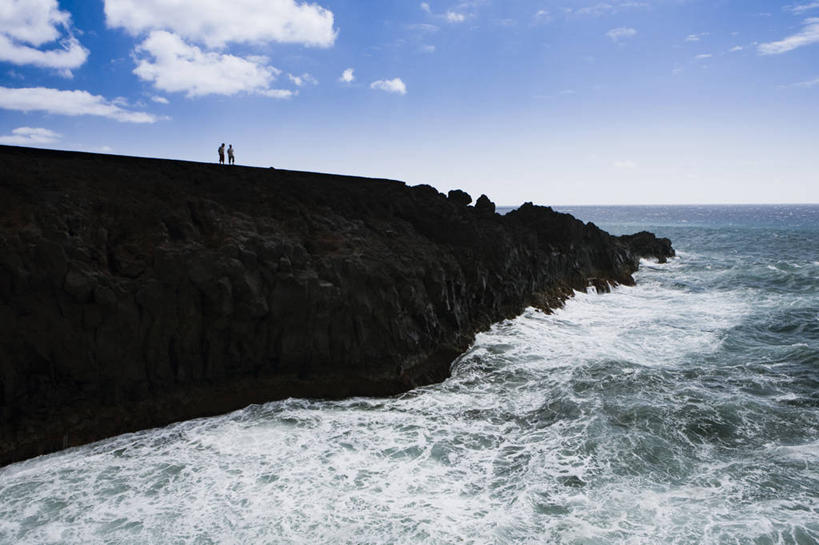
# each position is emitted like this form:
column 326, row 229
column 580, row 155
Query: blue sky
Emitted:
column 556, row 102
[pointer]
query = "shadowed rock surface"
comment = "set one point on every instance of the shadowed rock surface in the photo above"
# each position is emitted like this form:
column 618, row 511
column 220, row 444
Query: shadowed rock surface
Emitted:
column 139, row 292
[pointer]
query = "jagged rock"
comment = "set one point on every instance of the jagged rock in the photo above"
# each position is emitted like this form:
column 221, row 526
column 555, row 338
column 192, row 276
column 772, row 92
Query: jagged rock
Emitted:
column 484, row 205
column 645, row 244
column 154, row 291
column 459, row 196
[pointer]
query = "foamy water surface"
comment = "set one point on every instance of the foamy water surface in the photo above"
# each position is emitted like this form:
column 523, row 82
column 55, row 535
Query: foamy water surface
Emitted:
column 683, row 410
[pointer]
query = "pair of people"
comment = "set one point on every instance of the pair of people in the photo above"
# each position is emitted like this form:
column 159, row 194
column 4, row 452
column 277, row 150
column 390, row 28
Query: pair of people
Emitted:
column 222, row 154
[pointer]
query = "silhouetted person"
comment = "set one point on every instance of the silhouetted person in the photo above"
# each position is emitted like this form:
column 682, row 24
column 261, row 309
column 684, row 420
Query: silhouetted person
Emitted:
column 222, row 154
column 230, row 154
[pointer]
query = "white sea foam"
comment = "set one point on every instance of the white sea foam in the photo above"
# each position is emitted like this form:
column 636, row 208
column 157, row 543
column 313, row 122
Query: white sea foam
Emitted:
column 609, row 421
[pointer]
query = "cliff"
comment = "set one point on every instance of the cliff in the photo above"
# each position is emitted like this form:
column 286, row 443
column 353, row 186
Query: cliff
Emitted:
column 138, row 292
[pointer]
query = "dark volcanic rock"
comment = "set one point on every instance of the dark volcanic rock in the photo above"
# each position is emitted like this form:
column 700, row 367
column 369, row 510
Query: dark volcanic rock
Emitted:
column 645, row 244
column 459, row 196
column 138, row 292
column 484, row 205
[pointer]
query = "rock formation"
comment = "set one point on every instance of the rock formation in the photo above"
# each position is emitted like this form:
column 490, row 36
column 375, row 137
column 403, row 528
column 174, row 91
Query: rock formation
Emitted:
column 138, row 292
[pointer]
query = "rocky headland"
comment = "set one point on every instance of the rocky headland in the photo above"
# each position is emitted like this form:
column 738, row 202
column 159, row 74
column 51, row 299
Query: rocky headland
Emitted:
column 138, row 292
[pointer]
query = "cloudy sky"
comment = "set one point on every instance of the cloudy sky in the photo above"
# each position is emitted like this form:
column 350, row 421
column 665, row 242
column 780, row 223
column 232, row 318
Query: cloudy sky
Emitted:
column 552, row 101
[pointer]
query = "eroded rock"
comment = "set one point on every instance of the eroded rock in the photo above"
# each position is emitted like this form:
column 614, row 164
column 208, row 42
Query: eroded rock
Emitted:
column 155, row 291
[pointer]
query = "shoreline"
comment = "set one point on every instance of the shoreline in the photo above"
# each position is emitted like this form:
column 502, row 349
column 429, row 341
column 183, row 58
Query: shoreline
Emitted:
column 139, row 292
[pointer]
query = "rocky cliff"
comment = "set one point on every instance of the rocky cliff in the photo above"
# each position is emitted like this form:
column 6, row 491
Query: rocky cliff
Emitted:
column 138, row 292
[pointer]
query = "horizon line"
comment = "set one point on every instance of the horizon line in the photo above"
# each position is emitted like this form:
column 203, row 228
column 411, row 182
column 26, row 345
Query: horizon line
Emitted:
column 112, row 154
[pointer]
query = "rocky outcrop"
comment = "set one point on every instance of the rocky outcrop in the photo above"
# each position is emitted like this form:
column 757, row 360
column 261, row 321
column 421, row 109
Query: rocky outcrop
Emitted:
column 138, row 292
column 646, row 244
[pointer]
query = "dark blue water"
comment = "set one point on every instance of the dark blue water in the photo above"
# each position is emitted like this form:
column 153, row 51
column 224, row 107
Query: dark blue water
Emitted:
column 684, row 410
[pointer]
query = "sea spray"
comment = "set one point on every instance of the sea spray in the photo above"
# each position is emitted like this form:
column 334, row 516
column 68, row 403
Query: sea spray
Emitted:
column 682, row 410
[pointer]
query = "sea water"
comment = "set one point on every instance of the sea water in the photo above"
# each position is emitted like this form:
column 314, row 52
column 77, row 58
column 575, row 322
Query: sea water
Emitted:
column 682, row 410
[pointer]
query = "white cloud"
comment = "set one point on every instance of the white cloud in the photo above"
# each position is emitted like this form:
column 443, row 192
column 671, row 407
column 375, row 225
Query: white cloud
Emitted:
column 809, row 35
column 70, row 55
column 703, row 56
column 542, row 16
column 424, row 27
column 801, row 8
column 165, row 60
column 595, row 10
column 30, row 136
column 427, row 49
column 347, row 76
column 805, row 84
column 278, row 93
column 606, row 8
column 736, row 48
column 811, row 83
column 33, row 22
column 56, row 101
column 625, row 164
column 160, row 100
column 27, row 25
column 218, row 22
column 302, row 80
column 621, row 33
column 695, row 37
column 168, row 58
column 390, row 86
column 455, row 15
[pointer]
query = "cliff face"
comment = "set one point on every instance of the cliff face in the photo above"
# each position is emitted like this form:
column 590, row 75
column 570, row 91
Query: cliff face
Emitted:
column 138, row 292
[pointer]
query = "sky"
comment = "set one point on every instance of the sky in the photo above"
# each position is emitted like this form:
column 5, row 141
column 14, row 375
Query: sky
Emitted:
column 558, row 102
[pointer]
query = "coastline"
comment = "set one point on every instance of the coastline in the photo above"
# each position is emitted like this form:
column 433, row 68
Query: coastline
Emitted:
column 139, row 292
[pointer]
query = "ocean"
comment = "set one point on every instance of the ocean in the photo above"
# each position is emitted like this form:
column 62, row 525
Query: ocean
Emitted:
column 684, row 410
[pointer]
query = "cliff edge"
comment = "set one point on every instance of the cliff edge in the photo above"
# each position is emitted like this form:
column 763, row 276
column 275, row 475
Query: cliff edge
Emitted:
column 138, row 292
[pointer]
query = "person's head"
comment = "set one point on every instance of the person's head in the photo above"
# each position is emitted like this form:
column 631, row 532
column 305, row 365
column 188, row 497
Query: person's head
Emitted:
column 223, row 143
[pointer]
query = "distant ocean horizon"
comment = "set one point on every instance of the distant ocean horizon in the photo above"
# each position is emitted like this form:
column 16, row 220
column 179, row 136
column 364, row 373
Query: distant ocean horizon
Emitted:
column 502, row 209
column 684, row 410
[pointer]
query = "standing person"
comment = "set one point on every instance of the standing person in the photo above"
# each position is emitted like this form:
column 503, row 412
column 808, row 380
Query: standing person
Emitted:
column 222, row 154
column 230, row 154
